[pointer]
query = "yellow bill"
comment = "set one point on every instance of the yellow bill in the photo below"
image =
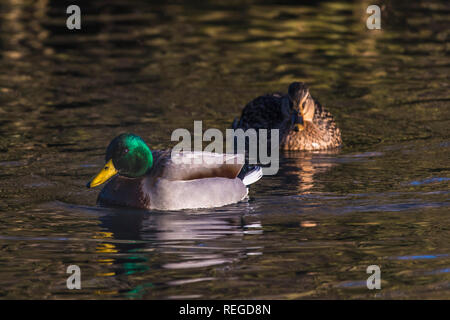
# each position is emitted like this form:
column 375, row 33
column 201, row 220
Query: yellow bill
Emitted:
column 104, row 175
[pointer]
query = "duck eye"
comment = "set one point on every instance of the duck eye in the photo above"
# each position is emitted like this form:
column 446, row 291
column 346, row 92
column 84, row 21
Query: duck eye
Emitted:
column 125, row 150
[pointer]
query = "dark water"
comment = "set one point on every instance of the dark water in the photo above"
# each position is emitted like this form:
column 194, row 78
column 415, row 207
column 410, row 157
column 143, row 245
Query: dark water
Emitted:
column 309, row 232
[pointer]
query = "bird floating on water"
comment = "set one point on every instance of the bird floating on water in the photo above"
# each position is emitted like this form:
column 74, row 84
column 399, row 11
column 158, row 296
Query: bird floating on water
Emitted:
column 303, row 123
column 141, row 178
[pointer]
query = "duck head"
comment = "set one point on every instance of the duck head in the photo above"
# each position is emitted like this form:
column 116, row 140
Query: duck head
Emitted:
column 303, row 104
column 127, row 155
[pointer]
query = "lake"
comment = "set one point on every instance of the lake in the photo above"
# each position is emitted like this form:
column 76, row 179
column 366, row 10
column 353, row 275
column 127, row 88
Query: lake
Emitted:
column 308, row 232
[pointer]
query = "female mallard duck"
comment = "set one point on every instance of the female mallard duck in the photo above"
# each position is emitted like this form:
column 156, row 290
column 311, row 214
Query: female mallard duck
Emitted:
column 165, row 181
column 303, row 122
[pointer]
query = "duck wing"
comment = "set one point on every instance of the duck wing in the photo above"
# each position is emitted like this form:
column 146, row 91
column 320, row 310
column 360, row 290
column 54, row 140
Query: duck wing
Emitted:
column 264, row 112
column 326, row 125
column 187, row 165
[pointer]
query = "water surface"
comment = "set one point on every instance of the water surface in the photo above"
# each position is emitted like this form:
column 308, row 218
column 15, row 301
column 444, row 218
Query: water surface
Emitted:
column 149, row 68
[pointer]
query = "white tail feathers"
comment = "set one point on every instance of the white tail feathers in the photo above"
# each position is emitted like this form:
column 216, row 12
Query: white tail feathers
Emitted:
column 252, row 176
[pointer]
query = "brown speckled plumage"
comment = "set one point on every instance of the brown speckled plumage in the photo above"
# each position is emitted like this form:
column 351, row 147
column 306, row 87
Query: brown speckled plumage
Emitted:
column 277, row 111
column 320, row 134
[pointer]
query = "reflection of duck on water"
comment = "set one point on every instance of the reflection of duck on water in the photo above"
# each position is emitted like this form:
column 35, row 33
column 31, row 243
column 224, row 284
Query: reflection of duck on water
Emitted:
column 191, row 237
column 300, row 169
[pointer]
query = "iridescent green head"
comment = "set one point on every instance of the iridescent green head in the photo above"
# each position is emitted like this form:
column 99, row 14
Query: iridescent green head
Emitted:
column 130, row 155
column 127, row 155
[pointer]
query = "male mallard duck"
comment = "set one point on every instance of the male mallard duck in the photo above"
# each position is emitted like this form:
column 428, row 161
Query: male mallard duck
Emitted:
column 157, row 180
column 303, row 122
